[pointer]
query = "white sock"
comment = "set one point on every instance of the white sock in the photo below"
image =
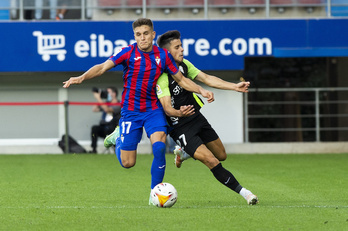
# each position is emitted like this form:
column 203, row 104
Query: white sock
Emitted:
column 185, row 156
column 245, row 192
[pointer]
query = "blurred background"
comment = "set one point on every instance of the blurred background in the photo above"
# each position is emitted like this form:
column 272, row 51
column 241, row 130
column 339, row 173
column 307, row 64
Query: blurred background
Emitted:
column 294, row 53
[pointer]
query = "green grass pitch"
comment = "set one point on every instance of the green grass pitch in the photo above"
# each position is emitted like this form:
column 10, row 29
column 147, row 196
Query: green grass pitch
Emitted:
column 92, row 192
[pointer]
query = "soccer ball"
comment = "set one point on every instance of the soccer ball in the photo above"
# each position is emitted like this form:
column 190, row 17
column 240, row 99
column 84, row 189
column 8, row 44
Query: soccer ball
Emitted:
column 164, row 195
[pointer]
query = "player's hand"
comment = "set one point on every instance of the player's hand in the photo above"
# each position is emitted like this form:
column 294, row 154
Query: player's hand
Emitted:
column 242, row 86
column 208, row 95
column 187, row 110
column 72, row 80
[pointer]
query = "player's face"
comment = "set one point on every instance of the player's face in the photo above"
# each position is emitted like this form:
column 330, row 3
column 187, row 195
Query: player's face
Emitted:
column 176, row 50
column 144, row 36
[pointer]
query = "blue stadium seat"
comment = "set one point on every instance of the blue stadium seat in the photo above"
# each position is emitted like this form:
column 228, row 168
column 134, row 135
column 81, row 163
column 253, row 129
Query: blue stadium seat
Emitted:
column 5, row 14
column 310, row 2
column 339, row 8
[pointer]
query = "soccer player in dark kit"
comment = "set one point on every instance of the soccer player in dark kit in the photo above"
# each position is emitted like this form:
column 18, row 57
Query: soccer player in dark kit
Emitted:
column 194, row 133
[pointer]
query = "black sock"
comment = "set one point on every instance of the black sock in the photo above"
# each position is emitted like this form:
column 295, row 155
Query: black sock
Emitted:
column 226, row 178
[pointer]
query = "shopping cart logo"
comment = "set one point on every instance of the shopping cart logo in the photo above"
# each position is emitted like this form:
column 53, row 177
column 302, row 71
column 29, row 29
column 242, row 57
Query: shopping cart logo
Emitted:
column 48, row 45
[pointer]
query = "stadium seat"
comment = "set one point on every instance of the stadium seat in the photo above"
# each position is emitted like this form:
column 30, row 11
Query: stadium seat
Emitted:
column 252, row 2
column 222, row 2
column 311, row 2
column 281, row 2
column 193, row 2
column 134, row 3
column 109, row 3
column 5, row 14
column 160, row 3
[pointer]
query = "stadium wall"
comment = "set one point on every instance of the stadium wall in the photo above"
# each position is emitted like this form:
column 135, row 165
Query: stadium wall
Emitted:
column 32, row 71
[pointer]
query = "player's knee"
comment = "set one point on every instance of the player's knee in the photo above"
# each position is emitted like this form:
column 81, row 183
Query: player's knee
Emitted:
column 210, row 161
column 222, row 157
column 127, row 163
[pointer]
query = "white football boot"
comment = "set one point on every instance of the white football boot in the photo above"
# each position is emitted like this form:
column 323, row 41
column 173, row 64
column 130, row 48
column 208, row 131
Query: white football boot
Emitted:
column 180, row 156
column 252, row 199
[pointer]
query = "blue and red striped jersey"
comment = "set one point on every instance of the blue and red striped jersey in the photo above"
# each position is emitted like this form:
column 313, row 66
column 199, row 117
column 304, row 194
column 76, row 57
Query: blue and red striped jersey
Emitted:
column 141, row 71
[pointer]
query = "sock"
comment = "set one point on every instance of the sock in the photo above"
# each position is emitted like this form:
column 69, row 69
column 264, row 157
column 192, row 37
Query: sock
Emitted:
column 226, row 178
column 245, row 192
column 158, row 164
column 118, row 150
column 185, row 156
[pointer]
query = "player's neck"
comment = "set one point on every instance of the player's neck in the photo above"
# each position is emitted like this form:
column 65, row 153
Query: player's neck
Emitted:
column 147, row 50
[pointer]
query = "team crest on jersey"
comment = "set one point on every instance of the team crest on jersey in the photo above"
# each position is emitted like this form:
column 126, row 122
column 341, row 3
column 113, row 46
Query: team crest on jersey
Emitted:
column 158, row 60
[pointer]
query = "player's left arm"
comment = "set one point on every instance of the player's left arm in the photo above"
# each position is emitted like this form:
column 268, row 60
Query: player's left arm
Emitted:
column 186, row 83
column 189, row 85
column 216, row 82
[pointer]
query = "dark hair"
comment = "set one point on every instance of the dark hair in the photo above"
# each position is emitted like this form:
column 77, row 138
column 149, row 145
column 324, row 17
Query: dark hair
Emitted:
column 114, row 89
column 166, row 38
column 142, row 22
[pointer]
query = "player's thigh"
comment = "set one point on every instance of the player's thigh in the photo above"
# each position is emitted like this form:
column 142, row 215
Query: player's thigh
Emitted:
column 204, row 155
column 218, row 149
column 156, row 126
column 131, row 131
column 186, row 137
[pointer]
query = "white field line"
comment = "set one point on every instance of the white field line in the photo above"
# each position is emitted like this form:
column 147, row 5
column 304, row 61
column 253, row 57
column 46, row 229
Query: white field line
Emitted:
column 182, row 207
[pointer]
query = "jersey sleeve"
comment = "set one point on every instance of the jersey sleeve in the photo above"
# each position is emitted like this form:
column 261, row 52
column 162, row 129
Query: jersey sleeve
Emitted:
column 120, row 56
column 171, row 66
column 192, row 71
column 162, row 86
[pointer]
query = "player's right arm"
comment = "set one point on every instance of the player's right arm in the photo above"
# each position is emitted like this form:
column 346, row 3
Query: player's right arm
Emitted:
column 186, row 110
column 93, row 72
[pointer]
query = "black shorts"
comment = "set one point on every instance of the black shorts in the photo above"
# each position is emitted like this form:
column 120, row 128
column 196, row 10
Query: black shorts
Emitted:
column 193, row 134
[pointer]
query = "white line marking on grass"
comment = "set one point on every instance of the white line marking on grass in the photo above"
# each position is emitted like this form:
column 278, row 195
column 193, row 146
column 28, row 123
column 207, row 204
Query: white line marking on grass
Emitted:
column 182, row 207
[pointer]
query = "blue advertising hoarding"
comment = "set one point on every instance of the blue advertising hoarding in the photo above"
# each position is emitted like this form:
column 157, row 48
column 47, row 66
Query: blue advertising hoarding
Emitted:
column 209, row 44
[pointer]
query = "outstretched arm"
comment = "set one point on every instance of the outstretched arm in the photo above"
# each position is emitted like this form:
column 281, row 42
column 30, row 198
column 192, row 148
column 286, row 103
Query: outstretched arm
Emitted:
column 189, row 85
column 213, row 81
column 93, row 72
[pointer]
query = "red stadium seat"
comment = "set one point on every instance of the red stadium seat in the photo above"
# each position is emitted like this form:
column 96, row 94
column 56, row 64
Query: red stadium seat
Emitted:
column 222, row 2
column 109, row 3
column 165, row 2
column 252, row 2
column 281, row 2
column 193, row 2
column 134, row 2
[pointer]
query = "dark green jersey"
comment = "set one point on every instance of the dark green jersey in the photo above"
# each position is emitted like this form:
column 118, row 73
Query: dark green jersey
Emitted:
column 167, row 86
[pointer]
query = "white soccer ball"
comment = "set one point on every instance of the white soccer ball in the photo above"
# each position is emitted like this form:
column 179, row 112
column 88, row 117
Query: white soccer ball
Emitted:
column 164, row 195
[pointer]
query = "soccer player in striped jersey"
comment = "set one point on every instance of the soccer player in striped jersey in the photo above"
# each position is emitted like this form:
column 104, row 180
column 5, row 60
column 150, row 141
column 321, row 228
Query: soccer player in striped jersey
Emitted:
column 142, row 63
column 189, row 127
